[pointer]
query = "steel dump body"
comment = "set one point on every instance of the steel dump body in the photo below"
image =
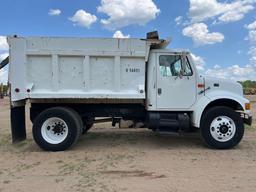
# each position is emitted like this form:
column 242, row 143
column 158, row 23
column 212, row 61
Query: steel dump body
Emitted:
column 83, row 68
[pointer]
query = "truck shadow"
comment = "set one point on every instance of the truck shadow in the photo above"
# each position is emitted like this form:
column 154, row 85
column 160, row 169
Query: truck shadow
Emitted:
column 137, row 138
column 100, row 139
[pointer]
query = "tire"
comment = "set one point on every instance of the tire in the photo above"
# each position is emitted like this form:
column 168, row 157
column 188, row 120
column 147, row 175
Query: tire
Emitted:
column 81, row 125
column 57, row 129
column 222, row 128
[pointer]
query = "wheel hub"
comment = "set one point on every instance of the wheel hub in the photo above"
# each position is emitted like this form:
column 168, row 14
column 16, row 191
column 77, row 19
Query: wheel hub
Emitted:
column 223, row 128
column 54, row 130
column 58, row 129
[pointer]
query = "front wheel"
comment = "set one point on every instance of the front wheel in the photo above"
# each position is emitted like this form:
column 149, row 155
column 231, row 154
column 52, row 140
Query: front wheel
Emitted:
column 222, row 128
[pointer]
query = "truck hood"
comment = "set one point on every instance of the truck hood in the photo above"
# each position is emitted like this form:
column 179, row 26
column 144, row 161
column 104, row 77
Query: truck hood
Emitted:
column 223, row 85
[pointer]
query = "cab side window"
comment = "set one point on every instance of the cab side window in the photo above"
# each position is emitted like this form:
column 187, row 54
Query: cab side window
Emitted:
column 171, row 65
column 165, row 68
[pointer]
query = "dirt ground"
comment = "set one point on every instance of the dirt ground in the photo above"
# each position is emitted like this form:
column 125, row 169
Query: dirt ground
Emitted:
column 126, row 160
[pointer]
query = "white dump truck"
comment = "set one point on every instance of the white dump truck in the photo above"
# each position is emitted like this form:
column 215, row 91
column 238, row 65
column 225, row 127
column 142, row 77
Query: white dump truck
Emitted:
column 70, row 82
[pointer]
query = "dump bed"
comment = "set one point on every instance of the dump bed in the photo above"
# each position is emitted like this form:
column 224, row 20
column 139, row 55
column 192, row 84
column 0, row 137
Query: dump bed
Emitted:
column 82, row 68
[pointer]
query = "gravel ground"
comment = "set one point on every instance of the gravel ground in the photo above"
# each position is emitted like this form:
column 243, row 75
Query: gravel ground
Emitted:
column 126, row 160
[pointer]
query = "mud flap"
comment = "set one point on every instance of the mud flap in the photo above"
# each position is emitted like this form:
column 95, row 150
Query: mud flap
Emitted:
column 18, row 125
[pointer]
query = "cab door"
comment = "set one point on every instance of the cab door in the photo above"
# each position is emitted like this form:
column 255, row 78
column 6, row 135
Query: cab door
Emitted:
column 176, row 82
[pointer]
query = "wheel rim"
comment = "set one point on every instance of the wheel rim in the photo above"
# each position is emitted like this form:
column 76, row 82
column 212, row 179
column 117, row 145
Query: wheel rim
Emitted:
column 223, row 128
column 54, row 130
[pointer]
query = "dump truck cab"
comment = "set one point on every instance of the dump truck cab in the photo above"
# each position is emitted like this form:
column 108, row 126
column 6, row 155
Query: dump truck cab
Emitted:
column 174, row 84
column 172, row 79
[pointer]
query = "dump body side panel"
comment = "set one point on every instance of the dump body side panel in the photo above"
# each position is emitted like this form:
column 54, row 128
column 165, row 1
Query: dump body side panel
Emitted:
column 79, row 68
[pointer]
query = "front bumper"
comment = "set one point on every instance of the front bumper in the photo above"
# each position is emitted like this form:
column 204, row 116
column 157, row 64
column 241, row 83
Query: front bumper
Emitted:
column 247, row 118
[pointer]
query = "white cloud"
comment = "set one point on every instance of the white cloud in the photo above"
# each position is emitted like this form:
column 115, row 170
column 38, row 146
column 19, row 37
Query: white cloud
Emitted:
column 251, row 26
column 217, row 67
column 122, row 13
column 235, row 12
column 83, row 19
column 4, row 75
column 3, row 43
column 234, row 72
column 119, row 34
column 198, row 61
column 178, row 20
column 3, row 56
column 252, row 36
column 252, row 32
column 54, row 12
column 3, row 71
column 252, row 53
column 201, row 10
column 200, row 34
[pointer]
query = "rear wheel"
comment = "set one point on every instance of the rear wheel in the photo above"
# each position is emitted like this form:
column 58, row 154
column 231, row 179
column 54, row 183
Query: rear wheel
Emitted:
column 222, row 128
column 57, row 128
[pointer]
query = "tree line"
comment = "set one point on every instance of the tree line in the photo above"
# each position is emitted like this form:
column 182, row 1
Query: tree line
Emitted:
column 249, row 87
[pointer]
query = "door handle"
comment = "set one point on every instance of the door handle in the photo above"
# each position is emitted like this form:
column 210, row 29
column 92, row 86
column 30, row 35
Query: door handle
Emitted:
column 159, row 91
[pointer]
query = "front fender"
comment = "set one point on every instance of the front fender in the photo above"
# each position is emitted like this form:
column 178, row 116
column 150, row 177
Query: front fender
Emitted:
column 204, row 101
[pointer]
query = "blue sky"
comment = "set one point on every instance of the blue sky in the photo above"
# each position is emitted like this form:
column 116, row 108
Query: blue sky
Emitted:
column 220, row 34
